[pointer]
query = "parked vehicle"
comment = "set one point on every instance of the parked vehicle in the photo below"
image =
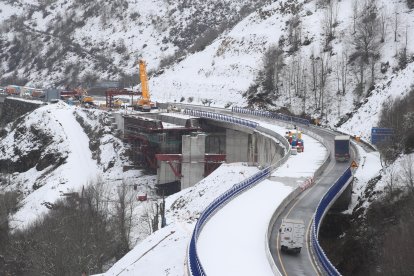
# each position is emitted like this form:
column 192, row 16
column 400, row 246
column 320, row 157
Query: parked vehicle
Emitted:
column 342, row 145
column 13, row 90
column 292, row 233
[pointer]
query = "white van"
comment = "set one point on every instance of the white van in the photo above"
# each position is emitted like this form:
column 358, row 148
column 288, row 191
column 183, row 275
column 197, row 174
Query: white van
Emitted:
column 292, row 233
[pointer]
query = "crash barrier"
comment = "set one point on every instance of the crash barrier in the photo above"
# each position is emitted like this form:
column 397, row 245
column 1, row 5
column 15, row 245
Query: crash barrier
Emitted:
column 195, row 266
column 323, row 207
column 295, row 193
column 221, row 117
column 273, row 115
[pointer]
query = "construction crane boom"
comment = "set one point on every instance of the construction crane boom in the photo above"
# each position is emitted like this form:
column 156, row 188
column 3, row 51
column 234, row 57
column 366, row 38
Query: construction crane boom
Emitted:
column 144, row 103
column 144, row 80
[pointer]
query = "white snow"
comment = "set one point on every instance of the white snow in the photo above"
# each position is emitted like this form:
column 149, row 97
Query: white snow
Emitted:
column 78, row 169
column 369, row 166
column 233, row 240
column 183, row 208
column 219, row 242
column 221, row 72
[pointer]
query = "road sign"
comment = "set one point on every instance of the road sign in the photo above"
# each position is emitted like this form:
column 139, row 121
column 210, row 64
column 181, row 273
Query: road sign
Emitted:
column 354, row 164
column 381, row 135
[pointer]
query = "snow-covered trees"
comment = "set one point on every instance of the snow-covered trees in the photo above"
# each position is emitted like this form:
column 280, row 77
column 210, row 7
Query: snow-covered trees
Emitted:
column 366, row 44
column 84, row 231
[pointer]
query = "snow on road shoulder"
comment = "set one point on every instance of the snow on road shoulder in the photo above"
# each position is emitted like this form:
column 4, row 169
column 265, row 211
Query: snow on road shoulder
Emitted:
column 306, row 163
column 369, row 166
column 232, row 242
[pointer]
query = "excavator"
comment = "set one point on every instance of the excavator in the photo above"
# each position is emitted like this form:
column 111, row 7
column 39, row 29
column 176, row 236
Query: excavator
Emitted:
column 144, row 103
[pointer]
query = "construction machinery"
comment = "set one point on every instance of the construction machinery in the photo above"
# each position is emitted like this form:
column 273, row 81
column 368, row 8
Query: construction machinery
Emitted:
column 87, row 100
column 144, row 103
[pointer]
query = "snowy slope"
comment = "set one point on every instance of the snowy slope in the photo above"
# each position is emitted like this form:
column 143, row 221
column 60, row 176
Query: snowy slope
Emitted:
column 227, row 67
column 164, row 252
column 105, row 38
column 385, row 92
column 58, row 159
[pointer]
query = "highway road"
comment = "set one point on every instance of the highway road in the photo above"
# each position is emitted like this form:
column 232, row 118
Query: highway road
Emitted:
column 303, row 207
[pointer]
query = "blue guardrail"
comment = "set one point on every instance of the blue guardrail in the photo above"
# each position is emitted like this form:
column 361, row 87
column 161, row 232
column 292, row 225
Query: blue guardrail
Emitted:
column 195, row 265
column 320, row 211
column 273, row 115
column 221, row 117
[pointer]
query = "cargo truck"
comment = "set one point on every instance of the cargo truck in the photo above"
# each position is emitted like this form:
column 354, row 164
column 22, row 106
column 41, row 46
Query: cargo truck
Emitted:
column 292, row 233
column 342, row 144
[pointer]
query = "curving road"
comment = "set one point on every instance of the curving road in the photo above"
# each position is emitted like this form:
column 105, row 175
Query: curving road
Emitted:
column 303, row 207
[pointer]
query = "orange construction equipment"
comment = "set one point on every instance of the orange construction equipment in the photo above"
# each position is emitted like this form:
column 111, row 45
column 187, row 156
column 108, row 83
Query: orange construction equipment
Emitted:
column 144, row 103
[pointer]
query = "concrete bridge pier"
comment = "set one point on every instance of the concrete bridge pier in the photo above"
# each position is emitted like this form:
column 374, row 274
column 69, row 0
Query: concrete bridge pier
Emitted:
column 267, row 151
column 193, row 153
column 238, row 147
column 253, row 148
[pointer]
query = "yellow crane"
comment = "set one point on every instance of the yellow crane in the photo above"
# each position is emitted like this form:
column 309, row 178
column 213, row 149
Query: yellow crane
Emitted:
column 144, row 103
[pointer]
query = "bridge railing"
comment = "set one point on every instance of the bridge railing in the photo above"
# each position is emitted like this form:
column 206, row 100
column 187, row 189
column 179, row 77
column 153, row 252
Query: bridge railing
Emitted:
column 329, row 198
column 221, row 117
column 195, row 266
column 326, row 202
column 273, row 115
column 323, row 207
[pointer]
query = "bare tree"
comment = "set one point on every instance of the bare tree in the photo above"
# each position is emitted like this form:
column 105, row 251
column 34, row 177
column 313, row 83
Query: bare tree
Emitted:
column 344, row 71
column 294, row 32
column 125, row 206
column 329, row 21
column 391, row 180
column 383, row 20
column 314, row 68
column 366, row 43
column 396, row 24
column 355, row 14
column 323, row 76
column 408, row 172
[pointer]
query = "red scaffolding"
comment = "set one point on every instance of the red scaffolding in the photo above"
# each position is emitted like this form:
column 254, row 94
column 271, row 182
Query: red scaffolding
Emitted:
column 110, row 93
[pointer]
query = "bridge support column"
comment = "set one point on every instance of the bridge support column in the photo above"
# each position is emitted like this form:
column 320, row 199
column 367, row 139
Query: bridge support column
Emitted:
column 237, row 146
column 193, row 152
column 268, row 151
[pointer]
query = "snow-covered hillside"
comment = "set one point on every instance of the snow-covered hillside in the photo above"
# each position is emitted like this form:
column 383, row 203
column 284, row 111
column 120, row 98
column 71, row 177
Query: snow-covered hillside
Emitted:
column 399, row 85
column 197, row 52
column 51, row 154
column 231, row 64
column 208, row 51
column 80, row 41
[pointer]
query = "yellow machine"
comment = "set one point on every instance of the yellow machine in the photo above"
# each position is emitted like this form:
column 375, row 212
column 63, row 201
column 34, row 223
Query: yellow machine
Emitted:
column 144, row 103
column 118, row 103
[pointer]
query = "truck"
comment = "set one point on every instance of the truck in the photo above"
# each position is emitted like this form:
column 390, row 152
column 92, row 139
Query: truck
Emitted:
column 292, row 233
column 342, row 144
